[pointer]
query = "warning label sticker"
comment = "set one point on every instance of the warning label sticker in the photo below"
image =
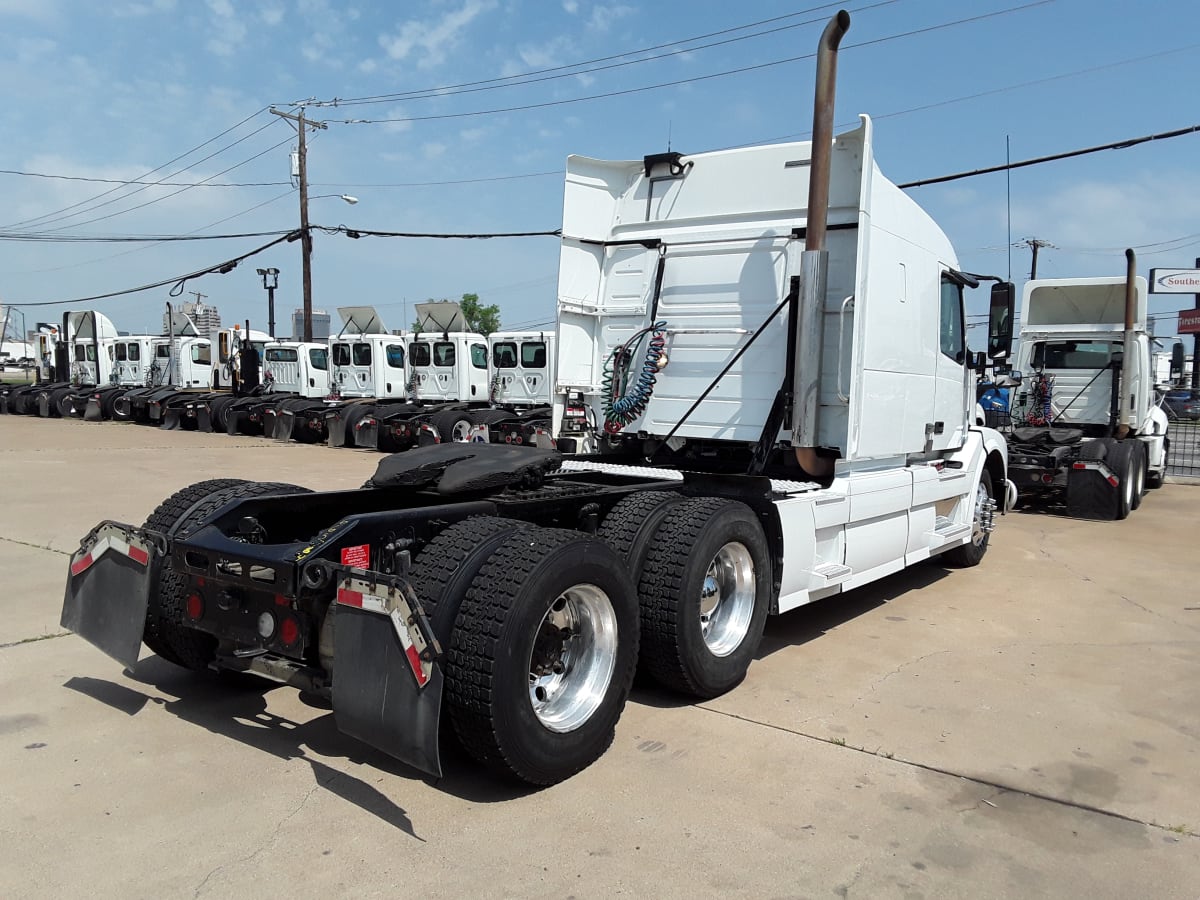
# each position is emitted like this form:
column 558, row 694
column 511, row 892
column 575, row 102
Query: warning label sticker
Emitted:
column 358, row 556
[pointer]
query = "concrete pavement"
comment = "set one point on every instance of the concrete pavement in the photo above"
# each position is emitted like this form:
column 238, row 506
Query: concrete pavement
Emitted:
column 1025, row 728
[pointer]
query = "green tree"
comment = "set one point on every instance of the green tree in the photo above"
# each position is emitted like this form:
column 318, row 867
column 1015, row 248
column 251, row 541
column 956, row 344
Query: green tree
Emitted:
column 480, row 319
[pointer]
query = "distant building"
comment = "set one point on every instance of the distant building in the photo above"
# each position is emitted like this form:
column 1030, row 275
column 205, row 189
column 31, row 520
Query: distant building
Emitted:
column 205, row 316
column 320, row 325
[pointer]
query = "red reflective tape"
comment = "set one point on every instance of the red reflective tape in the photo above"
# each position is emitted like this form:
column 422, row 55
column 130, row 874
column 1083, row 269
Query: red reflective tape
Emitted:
column 81, row 565
column 138, row 555
column 349, row 598
column 1113, row 480
column 414, row 662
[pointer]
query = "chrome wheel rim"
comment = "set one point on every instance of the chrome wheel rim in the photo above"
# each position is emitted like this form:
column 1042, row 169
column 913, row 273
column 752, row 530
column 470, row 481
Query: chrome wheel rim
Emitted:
column 982, row 498
column 1127, row 487
column 573, row 657
column 1139, row 486
column 727, row 599
column 461, row 432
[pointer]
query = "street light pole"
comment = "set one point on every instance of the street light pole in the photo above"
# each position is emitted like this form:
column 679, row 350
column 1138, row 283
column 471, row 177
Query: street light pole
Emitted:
column 273, row 274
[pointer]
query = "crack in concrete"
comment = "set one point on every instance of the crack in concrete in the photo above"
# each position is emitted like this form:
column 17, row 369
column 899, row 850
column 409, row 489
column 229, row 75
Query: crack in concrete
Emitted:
column 938, row 770
column 34, row 546
column 34, row 640
column 270, row 839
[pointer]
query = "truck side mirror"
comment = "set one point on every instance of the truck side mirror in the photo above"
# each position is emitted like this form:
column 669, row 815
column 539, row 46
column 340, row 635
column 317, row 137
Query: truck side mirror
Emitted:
column 1000, row 319
column 977, row 362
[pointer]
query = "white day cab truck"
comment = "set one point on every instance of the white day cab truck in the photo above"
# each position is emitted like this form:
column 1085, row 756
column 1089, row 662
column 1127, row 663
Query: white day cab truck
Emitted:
column 783, row 411
column 1086, row 431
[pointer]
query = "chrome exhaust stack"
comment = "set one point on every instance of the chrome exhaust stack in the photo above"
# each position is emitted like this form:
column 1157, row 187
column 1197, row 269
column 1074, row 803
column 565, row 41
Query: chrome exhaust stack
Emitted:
column 814, row 261
column 1125, row 418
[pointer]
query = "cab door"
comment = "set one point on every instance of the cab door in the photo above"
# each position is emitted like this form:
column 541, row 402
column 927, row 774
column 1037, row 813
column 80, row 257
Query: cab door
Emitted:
column 948, row 430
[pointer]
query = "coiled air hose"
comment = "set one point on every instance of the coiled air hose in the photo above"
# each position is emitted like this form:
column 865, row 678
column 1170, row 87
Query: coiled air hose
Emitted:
column 626, row 395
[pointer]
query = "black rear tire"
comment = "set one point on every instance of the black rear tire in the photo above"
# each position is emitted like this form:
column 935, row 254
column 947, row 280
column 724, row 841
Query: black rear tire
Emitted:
column 1140, row 460
column 165, row 632
column 1122, row 458
column 448, row 564
column 629, row 526
column 452, row 425
column 700, row 551
column 505, row 629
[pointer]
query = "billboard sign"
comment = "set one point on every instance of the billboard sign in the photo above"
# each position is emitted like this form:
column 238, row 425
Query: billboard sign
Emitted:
column 1189, row 321
column 1175, row 281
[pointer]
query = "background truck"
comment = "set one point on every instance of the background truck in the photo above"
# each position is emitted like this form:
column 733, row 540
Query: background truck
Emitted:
column 1086, row 429
column 804, row 426
column 292, row 372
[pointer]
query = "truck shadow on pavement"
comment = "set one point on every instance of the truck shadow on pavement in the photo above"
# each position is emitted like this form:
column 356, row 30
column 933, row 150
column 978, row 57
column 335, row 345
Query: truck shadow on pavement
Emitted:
column 237, row 708
column 808, row 623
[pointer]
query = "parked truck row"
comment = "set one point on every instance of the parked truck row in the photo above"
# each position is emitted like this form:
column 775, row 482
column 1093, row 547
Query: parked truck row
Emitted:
column 762, row 353
column 366, row 387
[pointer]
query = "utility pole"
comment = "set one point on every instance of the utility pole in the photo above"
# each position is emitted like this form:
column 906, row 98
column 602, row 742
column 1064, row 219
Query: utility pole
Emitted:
column 1195, row 347
column 301, row 125
column 1035, row 244
column 199, row 296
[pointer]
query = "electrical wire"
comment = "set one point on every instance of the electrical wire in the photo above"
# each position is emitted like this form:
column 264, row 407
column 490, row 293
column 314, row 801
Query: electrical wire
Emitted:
column 49, row 216
column 451, row 89
column 693, row 80
column 588, row 68
column 119, row 181
column 177, row 282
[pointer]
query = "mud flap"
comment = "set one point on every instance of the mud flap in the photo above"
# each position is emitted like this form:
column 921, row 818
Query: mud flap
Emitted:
column 43, row 405
column 203, row 418
column 366, row 433
column 387, row 683
column 170, row 418
column 233, row 421
column 285, row 423
column 108, row 590
column 335, row 427
column 91, row 412
column 269, row 418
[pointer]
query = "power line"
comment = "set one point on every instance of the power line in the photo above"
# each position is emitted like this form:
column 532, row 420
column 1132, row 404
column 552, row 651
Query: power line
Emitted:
column 177, row 282
column 1115, row 145
column 122, row 212
column 451, row 89
column 133, row 238
column 119, row 181
column 152, row 171
column 693, row 80
column 586, row 68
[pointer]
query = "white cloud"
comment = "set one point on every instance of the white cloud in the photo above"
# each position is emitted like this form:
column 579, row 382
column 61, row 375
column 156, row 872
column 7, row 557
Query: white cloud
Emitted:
column 571, row 6
column 271, row 13
column 367, row 66
column 603, row 17
column 472, row 134
column 137, row 10
column 433, row 149
column 229, row 31
column 430, row 41
column 397, row 126
column 29, row 9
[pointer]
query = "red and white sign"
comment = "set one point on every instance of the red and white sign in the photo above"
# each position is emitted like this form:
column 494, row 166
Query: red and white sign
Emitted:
column 1189, row 321
column 1175, row 281
column 358, row 556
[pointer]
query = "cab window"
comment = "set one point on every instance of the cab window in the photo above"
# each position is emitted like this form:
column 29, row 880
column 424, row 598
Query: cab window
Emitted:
column 443, row 353
column 282, row 354
column 79, row 353
column 952, row 321
column 135, row 352
column 318, row 358
column 504, row 355
column 479, row 356
column 341, row 354
column 418, row 354
column 119, row 352
column 395, row 356
column 202, row 354
column 533, row 354
column 362, row 354
column 163, row 351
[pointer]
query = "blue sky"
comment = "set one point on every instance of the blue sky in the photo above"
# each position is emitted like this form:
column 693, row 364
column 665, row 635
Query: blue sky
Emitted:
column 116, row 90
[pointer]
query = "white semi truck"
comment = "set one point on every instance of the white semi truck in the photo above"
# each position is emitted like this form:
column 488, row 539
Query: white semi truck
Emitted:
column 781, row 395
column 1086, row 430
